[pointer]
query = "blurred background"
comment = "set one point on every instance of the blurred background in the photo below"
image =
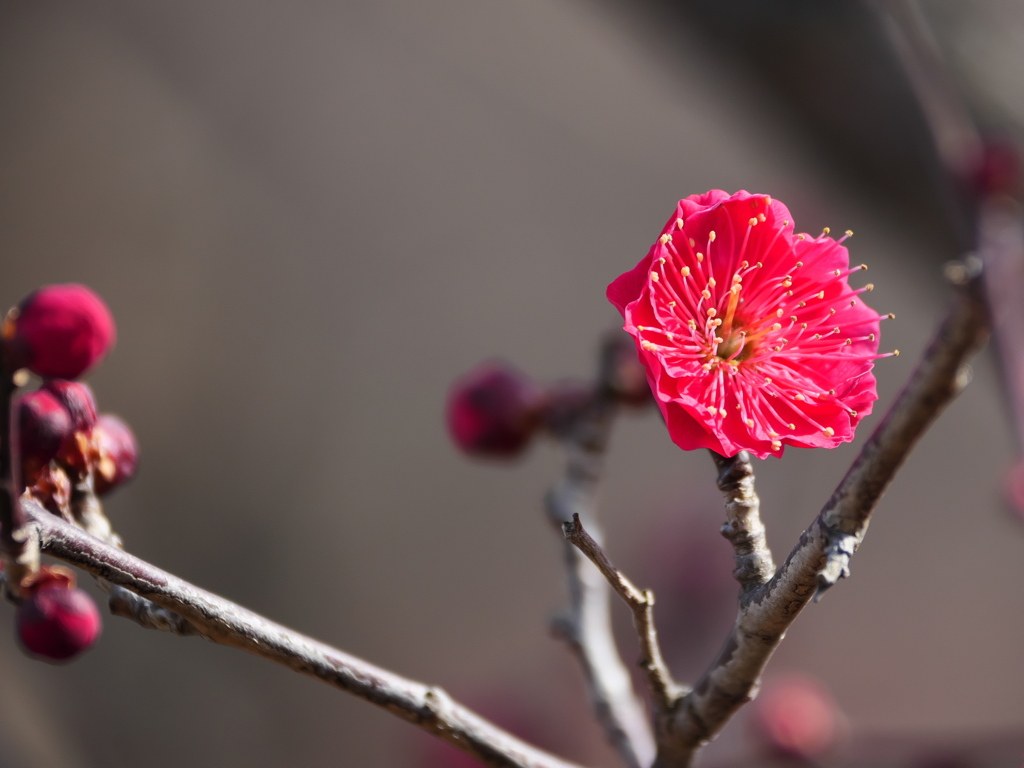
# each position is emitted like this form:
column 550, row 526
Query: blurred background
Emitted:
column 309, row 217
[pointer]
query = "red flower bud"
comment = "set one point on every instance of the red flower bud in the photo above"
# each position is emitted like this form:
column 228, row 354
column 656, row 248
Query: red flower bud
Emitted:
column 78, row 399
column 118, row 453
column 57, row 621
column 43, row 426
column 77, row 451
column 493, row 410
column 60, row 331
column 998, row 170
column 796, row 718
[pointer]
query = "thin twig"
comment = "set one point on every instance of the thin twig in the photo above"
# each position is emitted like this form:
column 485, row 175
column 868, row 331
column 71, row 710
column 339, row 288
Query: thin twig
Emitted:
column 20, row 555
column 743, row 527
column 822, row 554
column 586, row 626
column 664, row 689
column 229, row 624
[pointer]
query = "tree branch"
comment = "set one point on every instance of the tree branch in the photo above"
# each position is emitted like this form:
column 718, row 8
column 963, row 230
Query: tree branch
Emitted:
column 20, row 555
column 659, row 679
column 822, row 555
column 586, row 626
column 229, row 624
column 743, row 527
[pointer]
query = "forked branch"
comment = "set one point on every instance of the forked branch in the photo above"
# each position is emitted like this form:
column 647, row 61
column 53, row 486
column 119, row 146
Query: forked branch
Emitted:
column 822, row 555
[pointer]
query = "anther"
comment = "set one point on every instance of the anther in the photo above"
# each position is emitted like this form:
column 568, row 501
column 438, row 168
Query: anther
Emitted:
column 869, row 287
column 863, row 267
column 779, row 312
column 753, row 221
column 712, row 236
column 750, row 423
column 895, row 353
column 672, row 304
column 761, row 217
column 871, row 337
column 821, row 294
column 665, row 239
column 848, row 233
column 838, row 272
column 679, row 223
column 777, row 327
column 711, row 282
column 828, row 431
column 712, row 312
column 654, row 276
column 849, row 342
column 706, row 293
column 791, row 425
column 891, row 315
column 799, row 397
column 772, row 433
column 700, row 257
column 684, row 271
column 662, row 260
column 776, row 445
column 692, row 242
column 825, row 231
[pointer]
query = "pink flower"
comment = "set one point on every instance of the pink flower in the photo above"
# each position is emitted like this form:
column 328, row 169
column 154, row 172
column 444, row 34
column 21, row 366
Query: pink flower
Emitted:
column 750, row 333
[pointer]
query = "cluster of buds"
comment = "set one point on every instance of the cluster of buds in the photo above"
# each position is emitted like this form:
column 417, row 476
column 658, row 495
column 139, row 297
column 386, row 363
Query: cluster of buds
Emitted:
column 495, row 410
column 69, row 454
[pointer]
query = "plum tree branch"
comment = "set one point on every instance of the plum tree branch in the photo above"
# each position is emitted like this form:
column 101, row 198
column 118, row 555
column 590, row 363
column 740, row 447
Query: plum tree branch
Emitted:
column 822, row 555
column 586, row 626
column 743, row 527
column 20, row 555
column 229, row 624
column 663, row 688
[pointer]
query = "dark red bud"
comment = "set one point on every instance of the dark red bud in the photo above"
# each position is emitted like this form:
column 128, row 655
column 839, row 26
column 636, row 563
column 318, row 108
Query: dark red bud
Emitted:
column 57, row 621
column 118, row 453
column 60, row 331
column 998, row 171
column 43, row 426
column 78, row 399
column 494, row 410
column 627, row 377
column 796, row 718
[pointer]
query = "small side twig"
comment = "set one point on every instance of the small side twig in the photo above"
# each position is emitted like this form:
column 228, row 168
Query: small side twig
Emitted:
column 586, row 626
column 641, row 602
column 229, row 624
column 146, row 613
column 743, row 527
column 822, row 554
